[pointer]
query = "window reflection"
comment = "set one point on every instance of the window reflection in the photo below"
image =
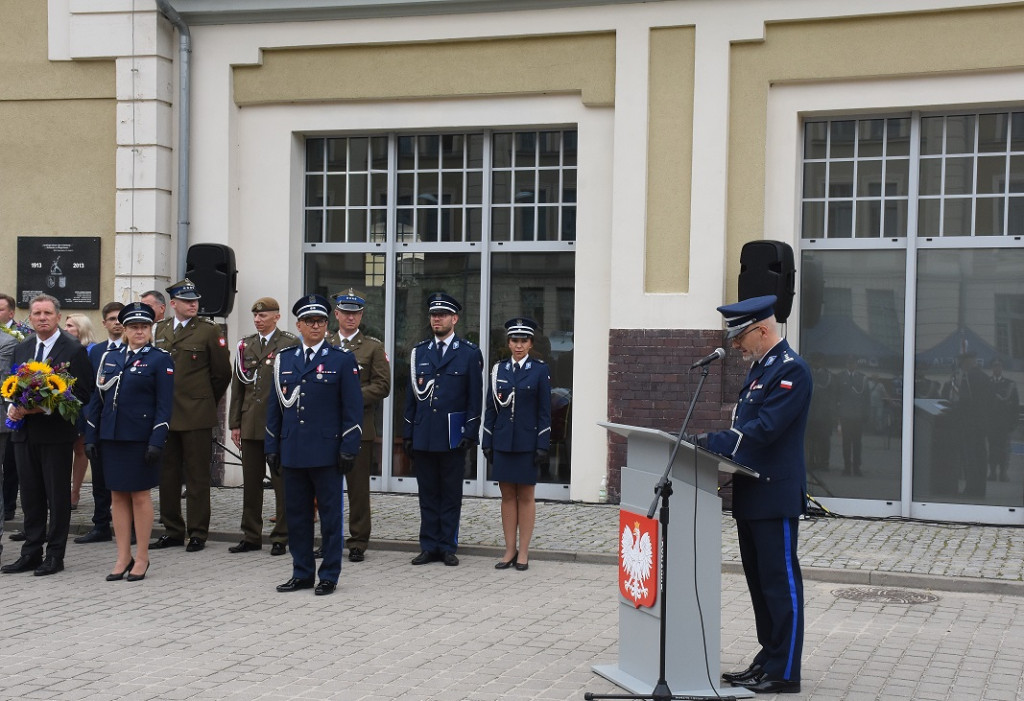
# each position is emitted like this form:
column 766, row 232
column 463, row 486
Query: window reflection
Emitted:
column 851, row 334
column 969, row 350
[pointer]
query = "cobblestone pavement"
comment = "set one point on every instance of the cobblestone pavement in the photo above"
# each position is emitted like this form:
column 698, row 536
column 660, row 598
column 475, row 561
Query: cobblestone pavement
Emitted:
column 888, row 551
column 209, row 625
column 894, row 609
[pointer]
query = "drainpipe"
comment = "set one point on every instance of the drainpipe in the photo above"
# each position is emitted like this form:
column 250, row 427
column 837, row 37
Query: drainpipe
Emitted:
column 184, row 126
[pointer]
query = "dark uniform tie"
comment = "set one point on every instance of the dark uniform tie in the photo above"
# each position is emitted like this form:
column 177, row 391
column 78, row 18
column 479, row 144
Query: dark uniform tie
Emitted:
column 128, row 358
column 309, row 356
column 39, row 352
column 515, row 368
column 263, row 343
column 440, row 349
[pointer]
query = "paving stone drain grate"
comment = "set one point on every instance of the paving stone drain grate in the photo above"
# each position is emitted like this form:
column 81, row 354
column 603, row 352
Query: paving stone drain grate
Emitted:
column 885, row 595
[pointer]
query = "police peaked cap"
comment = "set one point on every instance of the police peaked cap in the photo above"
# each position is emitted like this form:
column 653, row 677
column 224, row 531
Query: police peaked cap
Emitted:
column 520, row 327
column 742, row 314
column 136, row 313
column 441, row 303
column 311, row 305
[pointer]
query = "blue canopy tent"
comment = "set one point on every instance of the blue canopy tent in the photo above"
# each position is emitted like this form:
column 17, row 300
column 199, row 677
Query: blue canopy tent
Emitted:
column 839, row 336
column 963, row 340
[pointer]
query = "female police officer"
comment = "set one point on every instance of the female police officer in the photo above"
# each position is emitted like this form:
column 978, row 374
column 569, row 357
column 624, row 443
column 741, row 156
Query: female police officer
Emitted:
column 127, row 421
column 517, row 435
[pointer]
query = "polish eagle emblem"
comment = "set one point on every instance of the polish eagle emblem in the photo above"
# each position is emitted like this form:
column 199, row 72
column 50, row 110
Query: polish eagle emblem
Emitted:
column 637, row 555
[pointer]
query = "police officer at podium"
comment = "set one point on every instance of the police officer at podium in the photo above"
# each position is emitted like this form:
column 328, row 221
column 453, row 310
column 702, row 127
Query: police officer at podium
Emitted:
column 767, row 435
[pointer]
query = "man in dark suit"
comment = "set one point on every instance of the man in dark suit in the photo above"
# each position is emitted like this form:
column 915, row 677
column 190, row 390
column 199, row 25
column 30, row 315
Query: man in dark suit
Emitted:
column 442, row 422
column 43, row 446
column 313, row 435
column 767, row 435
column 100, row 532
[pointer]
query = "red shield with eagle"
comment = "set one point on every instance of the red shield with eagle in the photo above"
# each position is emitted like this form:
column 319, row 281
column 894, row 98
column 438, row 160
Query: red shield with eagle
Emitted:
column 638, row 558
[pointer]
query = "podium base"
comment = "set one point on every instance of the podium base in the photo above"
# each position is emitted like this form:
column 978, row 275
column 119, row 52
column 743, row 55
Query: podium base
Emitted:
column 633, row 685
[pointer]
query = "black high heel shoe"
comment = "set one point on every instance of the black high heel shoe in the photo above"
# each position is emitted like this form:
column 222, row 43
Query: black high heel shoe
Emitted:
column 521, row 566
column 503, row 565
column 138, row 577
column 117, row 576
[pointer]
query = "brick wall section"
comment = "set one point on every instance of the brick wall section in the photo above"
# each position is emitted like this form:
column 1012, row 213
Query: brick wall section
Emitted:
column 650, row 384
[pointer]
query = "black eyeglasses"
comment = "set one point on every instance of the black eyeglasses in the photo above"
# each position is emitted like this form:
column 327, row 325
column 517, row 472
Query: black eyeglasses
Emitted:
column 746, row 331
column 316, row 321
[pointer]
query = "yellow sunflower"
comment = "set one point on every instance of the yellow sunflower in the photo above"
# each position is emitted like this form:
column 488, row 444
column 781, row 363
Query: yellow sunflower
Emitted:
column 36, row 366
column 9, row 387
column 57, row 384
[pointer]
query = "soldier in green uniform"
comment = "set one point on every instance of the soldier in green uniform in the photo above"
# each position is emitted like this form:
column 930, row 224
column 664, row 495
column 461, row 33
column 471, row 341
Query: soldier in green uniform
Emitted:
column 251, row 384
column 202, row 372
column 375, row 378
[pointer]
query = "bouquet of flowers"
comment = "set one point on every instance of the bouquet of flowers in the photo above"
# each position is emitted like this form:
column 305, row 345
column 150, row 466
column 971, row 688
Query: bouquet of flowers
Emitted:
column 36, row 385
column 12, row 331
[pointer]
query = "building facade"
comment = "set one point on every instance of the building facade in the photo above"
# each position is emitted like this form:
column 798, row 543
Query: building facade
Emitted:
column 596, row 165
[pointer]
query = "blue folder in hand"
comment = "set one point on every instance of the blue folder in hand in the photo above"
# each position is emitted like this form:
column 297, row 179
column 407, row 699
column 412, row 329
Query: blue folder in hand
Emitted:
column 456, row 426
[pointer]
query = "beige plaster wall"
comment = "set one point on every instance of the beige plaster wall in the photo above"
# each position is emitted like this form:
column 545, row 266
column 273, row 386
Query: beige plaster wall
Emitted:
column 580, row 63
column 56, row 146
column 934, row 43
column 669, row 160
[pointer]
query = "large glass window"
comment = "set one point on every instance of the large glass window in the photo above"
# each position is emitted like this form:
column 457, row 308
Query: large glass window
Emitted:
column 488, row 216
column 855, row 349
column 921, row 206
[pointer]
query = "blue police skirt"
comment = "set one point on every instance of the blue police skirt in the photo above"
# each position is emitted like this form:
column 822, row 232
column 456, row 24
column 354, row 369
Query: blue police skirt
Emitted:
column 125, row 468
column 517, row 468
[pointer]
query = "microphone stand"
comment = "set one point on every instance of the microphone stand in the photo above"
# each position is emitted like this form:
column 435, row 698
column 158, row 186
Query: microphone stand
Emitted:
column 662, row 491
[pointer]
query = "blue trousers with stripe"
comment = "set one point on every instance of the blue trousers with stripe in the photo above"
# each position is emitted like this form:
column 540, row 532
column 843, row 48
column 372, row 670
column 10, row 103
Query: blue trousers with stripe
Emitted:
column 768, row 551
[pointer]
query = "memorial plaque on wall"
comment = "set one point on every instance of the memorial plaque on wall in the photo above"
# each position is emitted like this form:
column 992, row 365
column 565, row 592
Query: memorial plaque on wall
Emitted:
column 65, row 267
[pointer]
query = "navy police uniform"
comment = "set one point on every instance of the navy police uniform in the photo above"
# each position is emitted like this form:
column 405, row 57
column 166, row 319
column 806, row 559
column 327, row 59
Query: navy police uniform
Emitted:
column 130, row 411
column 442, row 419
column 517, row 417
column 767, row 435
column 314, row 417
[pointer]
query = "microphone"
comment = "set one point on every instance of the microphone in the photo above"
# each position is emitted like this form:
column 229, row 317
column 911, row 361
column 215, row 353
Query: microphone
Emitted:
column 718, row 353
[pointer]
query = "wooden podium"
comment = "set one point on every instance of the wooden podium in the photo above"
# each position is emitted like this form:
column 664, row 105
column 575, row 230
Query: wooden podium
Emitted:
column 692, row 651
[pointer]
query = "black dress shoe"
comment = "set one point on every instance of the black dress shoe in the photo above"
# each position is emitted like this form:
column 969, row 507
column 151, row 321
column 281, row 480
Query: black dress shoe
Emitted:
column 22, row 564
column 96, row 535
column 278, row 549
column 137, row 577
column 51, row 565
column 450, row 560
column 294, row 584
column 761, row 684
column 324, row 588
column 752, row 671
column 505, row 564
column 243, row 547
column 423, row 558
column 522, row 566
column 195, row 545
column 17, row 535
column 166, row 541
column 118, row 576
column 356, row 555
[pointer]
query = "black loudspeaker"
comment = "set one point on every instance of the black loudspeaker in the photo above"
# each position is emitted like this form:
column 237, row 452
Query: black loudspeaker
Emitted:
column 211, row 267
column 766, row 268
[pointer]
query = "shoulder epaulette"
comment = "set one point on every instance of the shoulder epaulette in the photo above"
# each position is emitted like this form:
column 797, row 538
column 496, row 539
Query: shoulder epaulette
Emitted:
column 288, row 334
column 424, row 342
column 211, row 322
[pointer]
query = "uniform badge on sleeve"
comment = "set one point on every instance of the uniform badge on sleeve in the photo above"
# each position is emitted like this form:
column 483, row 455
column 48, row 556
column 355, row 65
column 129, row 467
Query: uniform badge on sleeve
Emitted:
column 786, row 384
